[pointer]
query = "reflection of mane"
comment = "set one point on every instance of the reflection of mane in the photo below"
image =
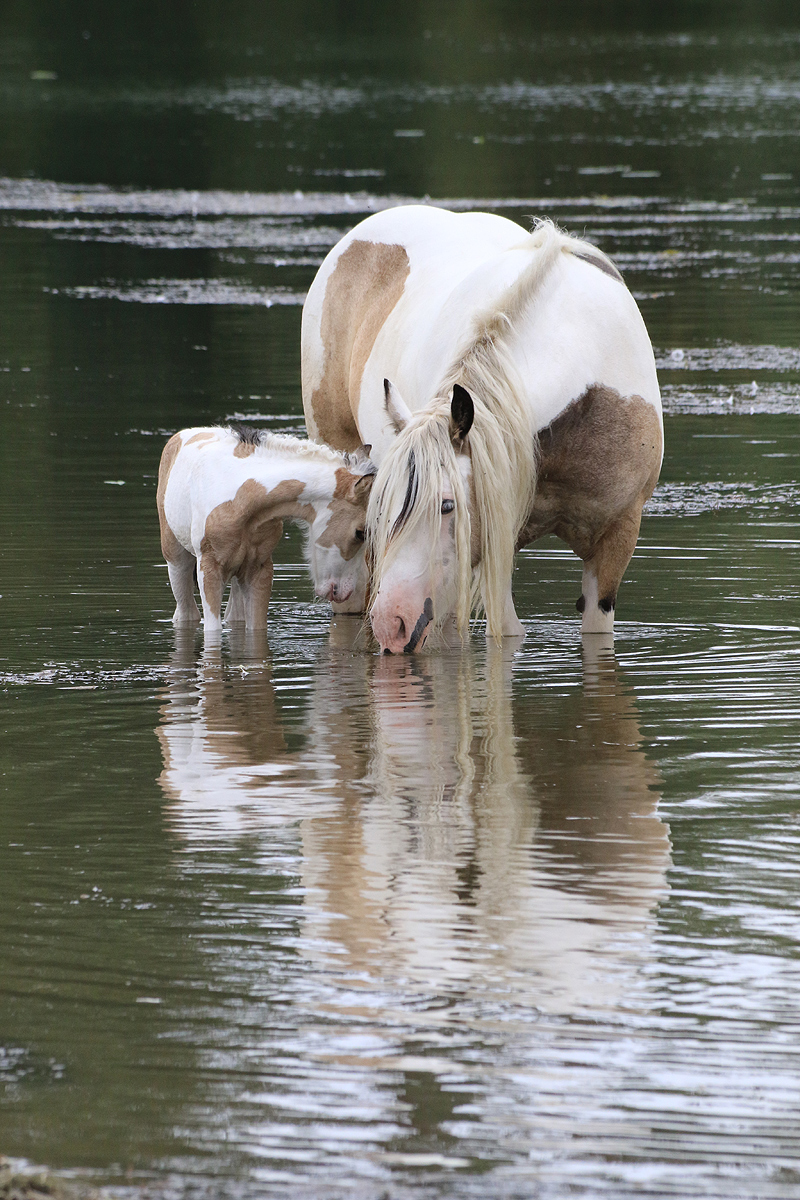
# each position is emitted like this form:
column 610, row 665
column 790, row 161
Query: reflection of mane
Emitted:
column 444, row 736
column 502, row 444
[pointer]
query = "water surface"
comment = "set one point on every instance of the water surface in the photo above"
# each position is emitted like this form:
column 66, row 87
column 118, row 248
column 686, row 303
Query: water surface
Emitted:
column 281, row 917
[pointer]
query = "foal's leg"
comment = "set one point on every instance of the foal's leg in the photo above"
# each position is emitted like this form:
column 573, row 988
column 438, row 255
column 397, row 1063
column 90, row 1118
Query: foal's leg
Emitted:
column 603, row 569
column 256, row 593
column 234, row 609
column 181, row 578
column 211, row 582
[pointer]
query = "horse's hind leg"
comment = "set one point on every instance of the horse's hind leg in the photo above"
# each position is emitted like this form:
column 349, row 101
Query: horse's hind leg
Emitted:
column 211, row 581
column 603, row 569
column 181, row 578
column 256, row 593
column 234, row 609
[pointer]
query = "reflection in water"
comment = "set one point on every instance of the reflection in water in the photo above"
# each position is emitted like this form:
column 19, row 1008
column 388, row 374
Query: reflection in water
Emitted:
column 447, row 838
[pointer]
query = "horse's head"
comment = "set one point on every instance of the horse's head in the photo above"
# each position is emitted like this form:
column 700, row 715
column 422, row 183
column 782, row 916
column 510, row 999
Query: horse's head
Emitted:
column 336, row 541
column 419, row 523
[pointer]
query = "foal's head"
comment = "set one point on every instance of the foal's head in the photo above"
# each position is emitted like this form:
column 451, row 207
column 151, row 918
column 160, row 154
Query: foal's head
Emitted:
column 337, row 535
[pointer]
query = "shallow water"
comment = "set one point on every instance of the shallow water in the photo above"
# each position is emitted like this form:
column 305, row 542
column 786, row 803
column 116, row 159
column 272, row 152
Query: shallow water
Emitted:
column 281, row 917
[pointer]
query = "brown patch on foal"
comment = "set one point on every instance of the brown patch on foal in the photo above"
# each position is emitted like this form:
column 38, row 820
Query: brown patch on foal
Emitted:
column 171, row 548
column 241, row 533
column 599, row 462
column 244, row 450
column 348, row 513
column 363, row 288
column 205, row 435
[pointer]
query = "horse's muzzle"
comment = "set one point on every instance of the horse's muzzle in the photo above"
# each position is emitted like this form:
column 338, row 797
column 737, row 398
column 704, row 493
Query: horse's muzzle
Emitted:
column 391, row 628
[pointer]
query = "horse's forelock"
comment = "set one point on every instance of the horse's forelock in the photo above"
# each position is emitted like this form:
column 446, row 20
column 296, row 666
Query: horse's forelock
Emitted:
column 410, row 496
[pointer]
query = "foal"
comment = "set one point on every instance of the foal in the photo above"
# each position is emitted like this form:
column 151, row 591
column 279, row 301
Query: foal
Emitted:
column 223, row 495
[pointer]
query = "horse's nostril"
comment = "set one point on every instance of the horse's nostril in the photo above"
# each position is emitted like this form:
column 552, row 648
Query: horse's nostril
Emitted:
column 401, row 627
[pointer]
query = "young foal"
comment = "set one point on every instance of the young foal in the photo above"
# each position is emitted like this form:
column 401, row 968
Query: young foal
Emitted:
column 223, row 495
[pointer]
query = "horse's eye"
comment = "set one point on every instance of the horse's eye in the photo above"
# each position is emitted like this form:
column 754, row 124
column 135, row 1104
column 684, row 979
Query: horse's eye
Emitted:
column 447, row 507
column 359, row 535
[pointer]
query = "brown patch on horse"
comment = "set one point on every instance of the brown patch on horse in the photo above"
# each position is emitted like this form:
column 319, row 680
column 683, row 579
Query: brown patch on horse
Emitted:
column 599, row 462
column 171, row 548
column 241, row 533
column 363, row 288
column 348, row 513
column 244, row 450
column 205, row 435
column 602, row 264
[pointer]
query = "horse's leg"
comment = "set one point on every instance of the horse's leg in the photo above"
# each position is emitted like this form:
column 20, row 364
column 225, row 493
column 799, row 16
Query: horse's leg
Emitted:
column 234, row 609
column 181, row 579
column 603, row 569
column 256, row 592
column 211, row 581
column 512, row 626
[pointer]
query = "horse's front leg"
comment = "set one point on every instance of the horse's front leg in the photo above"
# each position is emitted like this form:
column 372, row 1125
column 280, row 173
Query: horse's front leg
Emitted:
column 603, row 569
column 512, row 626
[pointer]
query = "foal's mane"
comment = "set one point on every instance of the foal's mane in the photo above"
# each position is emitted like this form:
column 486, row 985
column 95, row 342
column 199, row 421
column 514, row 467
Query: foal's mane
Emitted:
column 502, row 445
column 263, row 440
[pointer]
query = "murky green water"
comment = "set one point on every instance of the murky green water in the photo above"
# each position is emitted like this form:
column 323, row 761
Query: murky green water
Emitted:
column 289, row 919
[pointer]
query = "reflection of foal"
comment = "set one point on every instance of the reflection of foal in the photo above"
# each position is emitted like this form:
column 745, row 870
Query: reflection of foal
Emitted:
column 223, row 495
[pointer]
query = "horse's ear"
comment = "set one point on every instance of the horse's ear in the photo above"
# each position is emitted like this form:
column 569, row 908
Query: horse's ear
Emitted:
column 396, row 407
column 462, row 412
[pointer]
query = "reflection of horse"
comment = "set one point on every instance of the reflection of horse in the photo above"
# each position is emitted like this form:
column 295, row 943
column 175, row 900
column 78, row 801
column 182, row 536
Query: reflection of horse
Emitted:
column 444, row 833
column 219, row 734
column 509, row 350
column 223, row 495
column 510, row 849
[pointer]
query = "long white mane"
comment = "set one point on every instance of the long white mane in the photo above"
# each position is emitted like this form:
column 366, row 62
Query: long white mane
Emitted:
column 502, row 445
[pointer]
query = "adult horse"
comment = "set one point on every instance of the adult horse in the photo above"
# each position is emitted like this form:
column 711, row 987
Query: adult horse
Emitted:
column 523, row 401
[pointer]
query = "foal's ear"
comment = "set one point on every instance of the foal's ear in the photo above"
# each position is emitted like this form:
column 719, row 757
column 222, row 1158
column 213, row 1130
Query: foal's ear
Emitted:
column 396, row 407
column 462, row 412
column 359, row 489
column 364, row 486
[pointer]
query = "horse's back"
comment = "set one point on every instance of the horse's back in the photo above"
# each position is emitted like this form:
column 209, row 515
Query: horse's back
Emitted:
column 387, row 280
column 401, row 295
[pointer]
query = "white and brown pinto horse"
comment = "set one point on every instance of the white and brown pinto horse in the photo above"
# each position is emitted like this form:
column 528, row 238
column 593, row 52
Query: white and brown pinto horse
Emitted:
column 223, row 495
column 523, row 401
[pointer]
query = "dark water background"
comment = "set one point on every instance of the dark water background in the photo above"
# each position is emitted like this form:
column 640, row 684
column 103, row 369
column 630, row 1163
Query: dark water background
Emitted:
column 288, row 919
